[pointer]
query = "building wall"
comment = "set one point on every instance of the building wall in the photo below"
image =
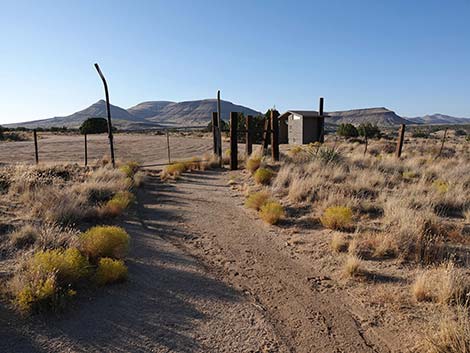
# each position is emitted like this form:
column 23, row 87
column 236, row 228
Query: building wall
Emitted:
column 295, row 130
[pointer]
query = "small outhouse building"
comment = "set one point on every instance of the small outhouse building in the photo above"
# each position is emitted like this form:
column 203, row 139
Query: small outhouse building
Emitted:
column 303, row 127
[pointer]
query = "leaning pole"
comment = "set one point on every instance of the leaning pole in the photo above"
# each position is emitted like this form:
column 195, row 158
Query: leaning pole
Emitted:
column 108, row 110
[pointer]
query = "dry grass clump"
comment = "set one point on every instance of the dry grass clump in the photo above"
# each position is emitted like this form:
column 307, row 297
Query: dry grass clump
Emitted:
column 452, row 334
column 117, row 204
column 253, row 163
column 130, row 168
column 257, row 200
column 338, row 243
column 352, row 266
column 337, row 217
column 263, row 176
column 110, row 271
column 373, row 245
column 24, row 237
column 104, row 241
column 445, row 284
column 271, row 212
column 173, row 171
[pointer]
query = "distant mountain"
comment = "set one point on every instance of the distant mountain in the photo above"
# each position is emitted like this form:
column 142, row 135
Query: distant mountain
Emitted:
column 146, row 110
column 439, row 119
column 98, row 109
column 376, row 116
column 193, row 113
column 146, row 114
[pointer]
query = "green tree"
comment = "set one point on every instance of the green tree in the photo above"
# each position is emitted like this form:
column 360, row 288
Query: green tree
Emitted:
column 369, row 130
column 94, row 126
column 347, row 130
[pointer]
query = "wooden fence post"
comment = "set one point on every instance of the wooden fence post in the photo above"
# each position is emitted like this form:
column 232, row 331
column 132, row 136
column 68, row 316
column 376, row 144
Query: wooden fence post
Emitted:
column 86, row 151
column 249, row 135
column 233, row 141
column 36, row 153
column 108, row 110
column 215, row 125
column 168, row 145
column 266, row 134
column 321, row 137
column 275, row 135
column 443, row 141
column 219, row 130
column 401, row 135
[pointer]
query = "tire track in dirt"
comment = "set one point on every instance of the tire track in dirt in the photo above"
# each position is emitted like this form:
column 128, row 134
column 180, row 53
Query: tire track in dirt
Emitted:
column 308, row 318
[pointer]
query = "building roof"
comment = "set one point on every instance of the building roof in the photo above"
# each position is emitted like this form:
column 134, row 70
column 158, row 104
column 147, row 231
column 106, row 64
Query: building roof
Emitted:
column 303, row 113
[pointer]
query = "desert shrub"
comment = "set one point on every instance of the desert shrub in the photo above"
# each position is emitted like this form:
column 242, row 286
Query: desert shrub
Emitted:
column 329, row 156
column 271, row 212
column 40, row 293
column 110, row 271
column 253, row 163
column 409, row 175
column 104, row 241
column 263, row 176
column 173, row 171
column 257, row 200
column 420, row 134
column 94, row 126
column 352, row 266
column 452, row 334
column 441, row 186
column 129, row 169
column 117, row 204
column 347, row 130
column 69, row 265
column 337, row 217
column 24, row 236
column 369, row 130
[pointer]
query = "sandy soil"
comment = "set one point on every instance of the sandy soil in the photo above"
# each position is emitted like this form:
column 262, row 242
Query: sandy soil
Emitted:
column 206, row 275
column 171, row 303
column 143, row 148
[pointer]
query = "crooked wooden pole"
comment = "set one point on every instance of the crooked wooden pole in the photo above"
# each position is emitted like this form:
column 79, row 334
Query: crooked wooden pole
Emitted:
column 36, row 152
column 249, row 136
column 443, row 141
column 108, row 110
column 401, row 136
column 233, row 141
column 275, row 135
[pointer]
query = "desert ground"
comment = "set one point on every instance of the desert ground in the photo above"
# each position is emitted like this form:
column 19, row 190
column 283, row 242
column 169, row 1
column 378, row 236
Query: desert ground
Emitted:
column 206, row 274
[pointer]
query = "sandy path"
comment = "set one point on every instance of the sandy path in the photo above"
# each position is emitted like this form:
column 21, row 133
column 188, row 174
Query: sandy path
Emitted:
column 296, row 298
column 171, row 302
column 205, row 276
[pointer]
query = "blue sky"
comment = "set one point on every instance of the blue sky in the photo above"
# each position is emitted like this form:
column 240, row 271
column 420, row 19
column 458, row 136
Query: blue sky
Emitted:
column 410, row 56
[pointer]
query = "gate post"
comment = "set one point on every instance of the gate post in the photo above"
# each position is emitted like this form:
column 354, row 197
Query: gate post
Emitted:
column 275, row 135
column 36, row 153
column 86, row 151
column 233, row 141
column 401, row 135
column 266, row 134
column 249, row 136
column 215, row 125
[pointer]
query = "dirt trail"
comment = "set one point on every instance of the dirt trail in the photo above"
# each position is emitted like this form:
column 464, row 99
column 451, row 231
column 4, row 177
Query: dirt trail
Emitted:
column 204, row 276
column 304, row 307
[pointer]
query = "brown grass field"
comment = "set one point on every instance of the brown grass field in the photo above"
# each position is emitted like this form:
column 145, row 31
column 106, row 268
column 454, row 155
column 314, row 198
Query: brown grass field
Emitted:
column 330, row 249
